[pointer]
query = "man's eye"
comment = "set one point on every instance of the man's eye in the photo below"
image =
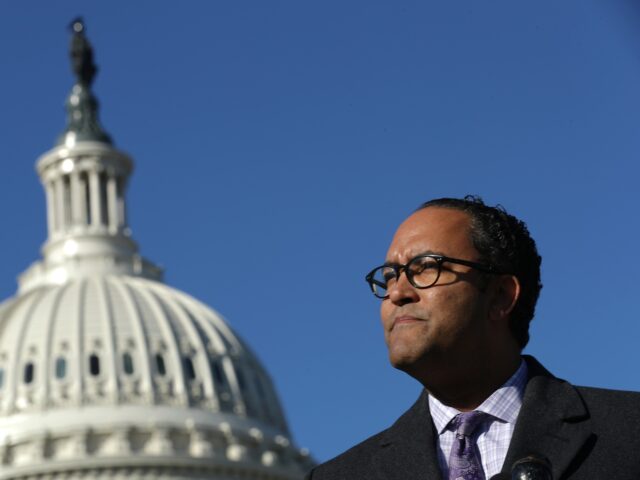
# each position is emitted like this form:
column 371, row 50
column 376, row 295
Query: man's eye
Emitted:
column 423, row 264
column 388, row 275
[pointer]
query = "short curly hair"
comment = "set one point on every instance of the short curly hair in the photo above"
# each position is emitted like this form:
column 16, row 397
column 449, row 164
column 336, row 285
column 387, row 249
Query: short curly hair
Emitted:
column 503, row 242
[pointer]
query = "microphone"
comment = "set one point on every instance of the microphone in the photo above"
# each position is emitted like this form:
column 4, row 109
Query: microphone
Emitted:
column 532, row 467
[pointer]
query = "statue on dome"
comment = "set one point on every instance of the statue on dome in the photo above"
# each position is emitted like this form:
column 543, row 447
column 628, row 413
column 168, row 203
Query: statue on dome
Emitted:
column 81, row 53
column 81, row 105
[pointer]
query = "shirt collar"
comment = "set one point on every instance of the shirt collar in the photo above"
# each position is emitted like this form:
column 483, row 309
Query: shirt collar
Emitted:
column 503, row 404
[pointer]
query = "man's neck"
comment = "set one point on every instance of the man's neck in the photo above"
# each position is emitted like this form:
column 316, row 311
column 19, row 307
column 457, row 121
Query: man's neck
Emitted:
column 467, row 390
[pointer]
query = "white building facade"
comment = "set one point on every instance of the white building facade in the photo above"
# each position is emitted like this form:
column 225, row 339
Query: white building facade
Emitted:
column 105, row 371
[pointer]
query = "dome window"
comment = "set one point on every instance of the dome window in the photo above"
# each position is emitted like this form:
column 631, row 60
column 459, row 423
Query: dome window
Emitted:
column 66, row 199
column 260, row 389
column 102, row 186
column 94, row 365
column 84, row 181
column 160, row 366
column 218, row 374
column 29, row 373
column 61, row 368
column 241, row 382
column 127, row 363
column 189, row 369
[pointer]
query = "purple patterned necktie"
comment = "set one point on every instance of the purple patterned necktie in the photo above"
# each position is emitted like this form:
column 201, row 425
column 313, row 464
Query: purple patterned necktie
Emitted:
column 464, row 460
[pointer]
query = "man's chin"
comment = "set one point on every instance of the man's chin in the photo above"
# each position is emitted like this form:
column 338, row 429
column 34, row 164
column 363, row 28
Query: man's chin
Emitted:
column 405, row 362
column 416, row 364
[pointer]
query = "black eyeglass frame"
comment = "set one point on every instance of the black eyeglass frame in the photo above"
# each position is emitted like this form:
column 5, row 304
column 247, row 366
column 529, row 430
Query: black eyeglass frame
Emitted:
column 440, row 259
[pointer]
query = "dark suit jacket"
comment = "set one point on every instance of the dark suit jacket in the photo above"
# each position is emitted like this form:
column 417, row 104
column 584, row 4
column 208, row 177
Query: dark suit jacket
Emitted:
column 586, row 433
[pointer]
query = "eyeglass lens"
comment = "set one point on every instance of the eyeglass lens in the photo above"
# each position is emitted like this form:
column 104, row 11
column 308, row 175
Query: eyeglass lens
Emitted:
column 422, row 272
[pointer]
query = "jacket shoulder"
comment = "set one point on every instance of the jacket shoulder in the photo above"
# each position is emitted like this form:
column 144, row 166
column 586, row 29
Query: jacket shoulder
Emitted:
column 604, row 394
column 610, row 407
column 354, row 463
column 358, row 461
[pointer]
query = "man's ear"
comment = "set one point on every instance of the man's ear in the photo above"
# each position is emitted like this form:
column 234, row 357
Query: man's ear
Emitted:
column 506, row 292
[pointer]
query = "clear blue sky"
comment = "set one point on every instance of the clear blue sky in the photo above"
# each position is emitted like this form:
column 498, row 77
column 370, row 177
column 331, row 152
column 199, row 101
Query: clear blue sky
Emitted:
column 279, row 143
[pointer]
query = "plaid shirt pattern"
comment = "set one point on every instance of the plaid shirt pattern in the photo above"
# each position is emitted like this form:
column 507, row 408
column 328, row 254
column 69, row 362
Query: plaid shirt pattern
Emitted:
column 494, row 435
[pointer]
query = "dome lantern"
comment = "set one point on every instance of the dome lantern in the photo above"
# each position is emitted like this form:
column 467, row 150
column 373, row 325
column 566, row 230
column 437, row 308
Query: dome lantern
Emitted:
column 85, row 179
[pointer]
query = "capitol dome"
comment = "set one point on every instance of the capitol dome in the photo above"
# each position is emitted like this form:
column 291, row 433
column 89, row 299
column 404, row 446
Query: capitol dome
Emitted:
column 105, row 371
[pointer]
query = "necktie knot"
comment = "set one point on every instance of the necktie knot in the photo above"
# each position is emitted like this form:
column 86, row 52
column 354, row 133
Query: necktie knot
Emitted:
column 467, row 423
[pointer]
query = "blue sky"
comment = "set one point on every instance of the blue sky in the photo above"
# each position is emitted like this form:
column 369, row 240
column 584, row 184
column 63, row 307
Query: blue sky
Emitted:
column 279, row 144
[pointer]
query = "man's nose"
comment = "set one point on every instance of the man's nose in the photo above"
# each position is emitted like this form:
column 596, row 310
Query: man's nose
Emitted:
column 402, row 292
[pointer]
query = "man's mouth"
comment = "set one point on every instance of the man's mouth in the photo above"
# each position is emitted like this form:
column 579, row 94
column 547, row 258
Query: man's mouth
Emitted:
column 404, row 320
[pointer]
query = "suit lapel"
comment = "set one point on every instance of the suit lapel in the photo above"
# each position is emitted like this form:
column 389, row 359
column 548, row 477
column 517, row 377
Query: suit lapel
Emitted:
column 408, row 448
column 553, row 421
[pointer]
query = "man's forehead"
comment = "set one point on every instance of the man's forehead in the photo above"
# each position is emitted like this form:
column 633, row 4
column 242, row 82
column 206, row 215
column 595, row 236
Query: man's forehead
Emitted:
column 433, row 230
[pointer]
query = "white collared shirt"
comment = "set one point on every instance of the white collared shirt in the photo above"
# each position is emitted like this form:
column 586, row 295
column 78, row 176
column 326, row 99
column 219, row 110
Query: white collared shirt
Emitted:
column 495, row 434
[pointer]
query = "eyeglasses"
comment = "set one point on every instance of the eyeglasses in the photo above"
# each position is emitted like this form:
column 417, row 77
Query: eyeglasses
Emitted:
column 422, row 271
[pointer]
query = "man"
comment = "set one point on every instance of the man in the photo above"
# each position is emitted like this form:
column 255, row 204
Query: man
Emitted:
column 458, row 291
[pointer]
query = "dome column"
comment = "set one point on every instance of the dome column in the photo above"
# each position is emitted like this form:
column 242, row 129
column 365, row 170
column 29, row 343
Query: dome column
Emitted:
column 58, row 190
column 51, row 214
column 112, row 203
column 94, row 198
column 77, row 203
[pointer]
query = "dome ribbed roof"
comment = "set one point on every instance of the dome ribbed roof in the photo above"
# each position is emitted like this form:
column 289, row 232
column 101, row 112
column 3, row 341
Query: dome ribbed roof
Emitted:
column 147, row 344
column 114, row 361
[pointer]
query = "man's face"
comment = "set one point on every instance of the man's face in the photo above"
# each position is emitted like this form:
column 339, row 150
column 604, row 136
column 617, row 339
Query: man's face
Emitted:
column 446, row 325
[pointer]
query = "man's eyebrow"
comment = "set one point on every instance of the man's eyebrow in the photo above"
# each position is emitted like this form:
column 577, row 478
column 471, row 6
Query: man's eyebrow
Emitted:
column 425, row 252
